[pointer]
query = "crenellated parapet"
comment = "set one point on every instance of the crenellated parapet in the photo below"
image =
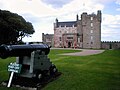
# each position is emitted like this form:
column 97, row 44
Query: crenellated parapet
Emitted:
column 110, row 41
column 110, row 44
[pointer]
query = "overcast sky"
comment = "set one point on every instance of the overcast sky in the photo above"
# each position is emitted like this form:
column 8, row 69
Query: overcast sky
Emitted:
column 42, row 14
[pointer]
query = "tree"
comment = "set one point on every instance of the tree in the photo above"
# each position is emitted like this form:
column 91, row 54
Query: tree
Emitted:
column 13, row 27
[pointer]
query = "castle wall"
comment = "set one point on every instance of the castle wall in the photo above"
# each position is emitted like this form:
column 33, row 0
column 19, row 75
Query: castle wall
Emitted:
column 59, row 39
column 91, row 26
column 86, row 33
column 110, row 45
column 48, row 39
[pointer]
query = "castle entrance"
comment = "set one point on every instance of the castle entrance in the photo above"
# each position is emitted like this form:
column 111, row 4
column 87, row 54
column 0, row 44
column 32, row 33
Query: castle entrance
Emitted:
column 69, row 44
column 110, row 47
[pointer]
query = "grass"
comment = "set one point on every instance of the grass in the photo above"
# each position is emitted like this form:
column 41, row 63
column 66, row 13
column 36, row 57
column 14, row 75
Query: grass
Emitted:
column 95, row 72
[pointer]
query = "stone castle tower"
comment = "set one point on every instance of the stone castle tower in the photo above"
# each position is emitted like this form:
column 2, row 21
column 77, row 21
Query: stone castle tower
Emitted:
column 82, row 33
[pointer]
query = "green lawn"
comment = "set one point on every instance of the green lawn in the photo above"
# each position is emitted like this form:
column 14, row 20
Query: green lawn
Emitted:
column 95, row 72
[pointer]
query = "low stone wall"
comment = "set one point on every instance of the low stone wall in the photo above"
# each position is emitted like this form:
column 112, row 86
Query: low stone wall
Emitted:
column 110, row 44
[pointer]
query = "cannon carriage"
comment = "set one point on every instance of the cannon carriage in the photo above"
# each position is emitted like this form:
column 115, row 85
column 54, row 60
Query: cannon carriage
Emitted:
column 33, row 59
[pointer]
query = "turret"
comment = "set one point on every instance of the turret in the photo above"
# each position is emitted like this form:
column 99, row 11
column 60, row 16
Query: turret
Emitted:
column 56, row 20
column 56, row 23
column 43, row 39
column 99, row 15
column 83, row 18
column 77, row 17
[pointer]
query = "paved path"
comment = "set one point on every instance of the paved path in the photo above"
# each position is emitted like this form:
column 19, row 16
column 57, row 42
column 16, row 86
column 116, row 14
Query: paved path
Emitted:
column 84, row 52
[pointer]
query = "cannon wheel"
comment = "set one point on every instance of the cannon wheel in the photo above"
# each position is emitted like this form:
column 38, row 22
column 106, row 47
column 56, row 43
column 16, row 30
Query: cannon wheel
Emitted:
column 53, row 69
column 38, row 75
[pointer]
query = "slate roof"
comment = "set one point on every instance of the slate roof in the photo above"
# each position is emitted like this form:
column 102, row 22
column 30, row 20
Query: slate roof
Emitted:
column 67, row 24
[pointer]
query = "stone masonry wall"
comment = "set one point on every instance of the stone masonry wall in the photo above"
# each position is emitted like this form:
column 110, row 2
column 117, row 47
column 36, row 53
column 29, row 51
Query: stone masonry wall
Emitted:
column 58, row 35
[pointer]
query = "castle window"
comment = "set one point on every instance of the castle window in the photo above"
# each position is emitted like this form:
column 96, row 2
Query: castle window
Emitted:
column 78, row 40
column 67, row 31
column 73, row 25
column 60, row 38
column 91, row 25
column 91, row 37
column 91, row 18
column 69, row 37
column 91, row 31
column 48, row 39
column 59, row 25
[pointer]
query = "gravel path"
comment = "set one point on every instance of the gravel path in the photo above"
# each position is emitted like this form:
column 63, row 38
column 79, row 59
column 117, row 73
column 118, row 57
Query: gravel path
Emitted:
column 85, row 52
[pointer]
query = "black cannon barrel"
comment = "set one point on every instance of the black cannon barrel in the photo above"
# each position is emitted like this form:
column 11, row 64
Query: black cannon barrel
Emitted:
column 22, row 50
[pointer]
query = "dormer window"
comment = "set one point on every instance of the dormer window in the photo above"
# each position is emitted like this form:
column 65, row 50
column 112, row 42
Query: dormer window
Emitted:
column 73, row 25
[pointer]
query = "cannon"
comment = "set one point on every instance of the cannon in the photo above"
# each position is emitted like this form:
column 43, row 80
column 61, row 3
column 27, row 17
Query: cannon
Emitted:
column 22, row 50
column 33, row 59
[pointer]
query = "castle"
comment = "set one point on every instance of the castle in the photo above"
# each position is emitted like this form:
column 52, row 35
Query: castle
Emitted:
column 81, row 33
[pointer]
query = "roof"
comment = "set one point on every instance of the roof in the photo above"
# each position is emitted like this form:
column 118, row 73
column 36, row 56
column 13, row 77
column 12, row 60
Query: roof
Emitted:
column 67, row 24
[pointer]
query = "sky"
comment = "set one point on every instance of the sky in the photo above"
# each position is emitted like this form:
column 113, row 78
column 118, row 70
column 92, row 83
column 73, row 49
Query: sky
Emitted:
column 42, row 14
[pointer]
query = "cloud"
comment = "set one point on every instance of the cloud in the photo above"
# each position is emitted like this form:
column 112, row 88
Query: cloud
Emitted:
column 118, row 9
column 118, row 2
column 2, row 5
column 70, row 10
column 56, row 3
column 42, row 14
column 31, row 18
column 39, row 9
column 104, row 1
column 34, row 7
column 111, row 27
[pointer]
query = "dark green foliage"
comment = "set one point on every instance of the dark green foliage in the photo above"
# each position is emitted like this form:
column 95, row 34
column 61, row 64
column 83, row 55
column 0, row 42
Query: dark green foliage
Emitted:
column 12, row 27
